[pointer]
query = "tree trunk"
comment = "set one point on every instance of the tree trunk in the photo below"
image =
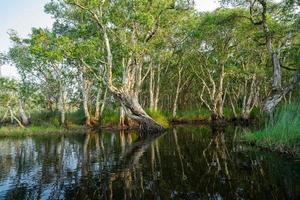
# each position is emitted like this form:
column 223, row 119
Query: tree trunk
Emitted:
column 61, row 105
column 156, row 98
column 151, row 89
column 177, row 94
column 219, row 98
column 134, row 110
column 276, row 78
column 129, row 100
column 85, row 102
column 86, row 108
column 276, row 96
column 13, row 117
column 97, row 110
column 249, row 104
column 122, row 117
column 23, row 116
column 103, row 103
column 174, row 113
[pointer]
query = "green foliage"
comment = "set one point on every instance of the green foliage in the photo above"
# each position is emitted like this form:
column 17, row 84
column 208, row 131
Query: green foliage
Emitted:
column 44, row 118
column 283, row 134
column 217, row 53
column 195, row 113
column 76, row 117
column 110, row 117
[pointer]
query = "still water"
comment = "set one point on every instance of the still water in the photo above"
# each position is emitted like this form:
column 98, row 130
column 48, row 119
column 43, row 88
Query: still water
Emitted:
column 183, row 163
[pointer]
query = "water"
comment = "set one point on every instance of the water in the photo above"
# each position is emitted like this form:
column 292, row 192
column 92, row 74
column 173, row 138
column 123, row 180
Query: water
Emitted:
column 183, row 163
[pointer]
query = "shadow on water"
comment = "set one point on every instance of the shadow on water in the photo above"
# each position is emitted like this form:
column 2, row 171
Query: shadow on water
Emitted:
column 184, row 163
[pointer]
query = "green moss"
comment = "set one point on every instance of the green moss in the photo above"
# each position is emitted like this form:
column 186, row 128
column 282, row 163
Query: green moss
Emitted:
column 283, row 134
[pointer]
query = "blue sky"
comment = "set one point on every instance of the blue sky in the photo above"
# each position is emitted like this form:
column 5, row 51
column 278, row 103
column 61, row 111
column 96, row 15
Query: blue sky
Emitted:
column 22, row 15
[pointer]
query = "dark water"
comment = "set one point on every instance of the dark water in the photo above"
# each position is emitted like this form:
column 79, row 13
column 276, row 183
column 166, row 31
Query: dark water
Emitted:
column 183, row 163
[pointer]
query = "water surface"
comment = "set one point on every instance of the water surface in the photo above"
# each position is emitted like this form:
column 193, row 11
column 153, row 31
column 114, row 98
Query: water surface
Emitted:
column 183, row 163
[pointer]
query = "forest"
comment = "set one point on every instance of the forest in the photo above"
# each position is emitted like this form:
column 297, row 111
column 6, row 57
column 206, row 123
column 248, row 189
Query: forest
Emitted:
column 115, row 88
column 146, row 63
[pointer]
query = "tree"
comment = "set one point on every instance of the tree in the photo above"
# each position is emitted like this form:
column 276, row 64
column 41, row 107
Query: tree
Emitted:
column 136, row 26
column 279, row 23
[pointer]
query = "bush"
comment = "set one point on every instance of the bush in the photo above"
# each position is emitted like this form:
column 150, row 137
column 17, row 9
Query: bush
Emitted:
column 76, row 117
column 45, row 118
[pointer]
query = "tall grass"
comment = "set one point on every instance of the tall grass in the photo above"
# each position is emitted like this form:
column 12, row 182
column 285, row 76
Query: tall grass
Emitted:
column 195, row 113
column 282, row 133
column 111, row 117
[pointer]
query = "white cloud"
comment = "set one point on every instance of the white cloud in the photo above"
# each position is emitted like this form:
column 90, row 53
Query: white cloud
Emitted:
column 206, row 5
column 9, row 71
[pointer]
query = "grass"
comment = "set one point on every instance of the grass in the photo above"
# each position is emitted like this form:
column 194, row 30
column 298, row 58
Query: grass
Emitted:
column 12, row 131
column 204, row 113
column 196, row 113
column 111, row 117
column 283, row 134
column 159, row 117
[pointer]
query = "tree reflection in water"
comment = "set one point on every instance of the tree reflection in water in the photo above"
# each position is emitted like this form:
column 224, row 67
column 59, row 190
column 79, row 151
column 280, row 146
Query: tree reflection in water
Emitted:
column 184, row 163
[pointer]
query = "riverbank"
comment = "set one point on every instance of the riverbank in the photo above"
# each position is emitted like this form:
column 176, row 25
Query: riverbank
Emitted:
column 286, row 143
column 282, row 134
column 13, row 131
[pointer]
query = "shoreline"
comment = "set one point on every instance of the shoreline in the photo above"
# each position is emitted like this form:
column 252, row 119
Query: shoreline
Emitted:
column 15, row 132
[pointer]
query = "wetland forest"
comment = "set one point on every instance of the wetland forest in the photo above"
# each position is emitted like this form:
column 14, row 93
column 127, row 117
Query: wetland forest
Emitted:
column 152, row 99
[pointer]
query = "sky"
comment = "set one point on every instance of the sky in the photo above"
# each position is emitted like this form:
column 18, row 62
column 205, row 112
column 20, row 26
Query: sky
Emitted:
column 22, row 15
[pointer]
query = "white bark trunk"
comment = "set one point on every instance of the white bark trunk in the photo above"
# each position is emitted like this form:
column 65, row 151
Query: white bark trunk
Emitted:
column 273, row 100
column 174, row 113
column 23, row 116
column 151, row 88
column 156, row 99
column 61, row 104
column 97, row 109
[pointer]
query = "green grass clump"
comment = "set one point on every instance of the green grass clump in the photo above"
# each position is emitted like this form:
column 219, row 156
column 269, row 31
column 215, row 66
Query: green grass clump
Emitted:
column 111, row 117
column 33, row 130
column 196, row 113
column 159, row 117
column 283, row 134
column 45, row 118
column 28, row 131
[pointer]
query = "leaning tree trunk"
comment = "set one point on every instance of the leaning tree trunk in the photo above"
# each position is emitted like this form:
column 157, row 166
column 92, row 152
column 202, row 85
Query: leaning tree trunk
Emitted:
column 128, row 100
column 135, row 111
column 275, row 97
